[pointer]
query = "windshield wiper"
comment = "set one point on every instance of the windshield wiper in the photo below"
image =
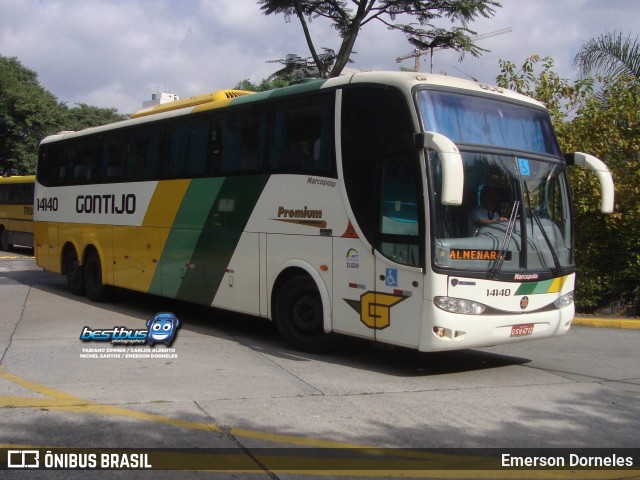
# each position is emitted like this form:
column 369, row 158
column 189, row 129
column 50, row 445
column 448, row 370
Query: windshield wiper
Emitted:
column 495, row 269
column 556, row 262
column 552, row 250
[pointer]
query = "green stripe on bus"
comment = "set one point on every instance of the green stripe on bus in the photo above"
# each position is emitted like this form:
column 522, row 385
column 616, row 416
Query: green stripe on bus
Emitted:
column 534, row 288
column 219, row 237
column 301, row 88
column 193, row 212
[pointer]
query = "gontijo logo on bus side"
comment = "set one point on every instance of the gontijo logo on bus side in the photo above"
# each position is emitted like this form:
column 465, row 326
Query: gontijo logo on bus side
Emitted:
column 375, row 308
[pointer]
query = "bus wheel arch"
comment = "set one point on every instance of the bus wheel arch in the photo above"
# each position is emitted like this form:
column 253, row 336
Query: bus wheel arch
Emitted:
column 72, row 268
column 300, row 307
column 96, row 289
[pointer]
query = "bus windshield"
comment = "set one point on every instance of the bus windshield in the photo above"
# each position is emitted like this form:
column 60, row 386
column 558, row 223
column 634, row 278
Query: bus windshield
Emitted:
column 515, row 215
column 483, row 121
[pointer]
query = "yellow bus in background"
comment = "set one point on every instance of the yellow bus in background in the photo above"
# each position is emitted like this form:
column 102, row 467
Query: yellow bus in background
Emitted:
column 16, row 211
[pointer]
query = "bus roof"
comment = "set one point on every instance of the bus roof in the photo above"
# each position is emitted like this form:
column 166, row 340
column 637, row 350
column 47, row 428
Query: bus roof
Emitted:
column 223, row 98
column 191, row 102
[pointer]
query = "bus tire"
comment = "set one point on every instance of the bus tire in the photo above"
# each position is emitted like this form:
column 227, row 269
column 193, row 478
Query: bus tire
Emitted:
column 96, row 290
column 75, row 273
column 299, row 316
column 4, row 240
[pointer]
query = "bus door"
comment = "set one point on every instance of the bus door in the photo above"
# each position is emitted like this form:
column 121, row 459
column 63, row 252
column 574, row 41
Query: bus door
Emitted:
column 395, row 311
column 353, row 284
column 378, row 290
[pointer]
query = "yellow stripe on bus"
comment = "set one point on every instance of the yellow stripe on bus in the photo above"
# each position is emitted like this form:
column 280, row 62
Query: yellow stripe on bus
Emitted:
column 557, row 284
column 165, row 203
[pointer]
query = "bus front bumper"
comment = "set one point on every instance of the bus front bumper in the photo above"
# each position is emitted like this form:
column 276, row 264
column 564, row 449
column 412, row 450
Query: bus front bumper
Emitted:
column 443, row 331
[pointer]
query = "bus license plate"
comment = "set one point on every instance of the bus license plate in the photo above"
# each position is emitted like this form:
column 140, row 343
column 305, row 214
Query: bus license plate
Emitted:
column 522, row 330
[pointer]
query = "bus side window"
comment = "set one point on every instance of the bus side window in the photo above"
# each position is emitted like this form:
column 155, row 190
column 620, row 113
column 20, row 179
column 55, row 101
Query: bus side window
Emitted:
column 198, row 147
column 146, row 149
column 381, row 171
column 399, row 211
column 138, row 151
column 114, row 152
column 178, row 149
column 215, row 146
column 242, row 142
column 302, row 136
column 85, row 156
column 49, row 164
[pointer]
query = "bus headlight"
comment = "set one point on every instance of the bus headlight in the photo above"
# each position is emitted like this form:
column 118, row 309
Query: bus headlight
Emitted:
column 459, row 305
column 564, row 301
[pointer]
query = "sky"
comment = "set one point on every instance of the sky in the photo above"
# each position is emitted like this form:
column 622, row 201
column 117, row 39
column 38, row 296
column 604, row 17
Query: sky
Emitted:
column 117, row 53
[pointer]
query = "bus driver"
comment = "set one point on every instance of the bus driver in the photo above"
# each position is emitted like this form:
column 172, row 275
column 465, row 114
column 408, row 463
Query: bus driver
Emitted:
column 487, row 212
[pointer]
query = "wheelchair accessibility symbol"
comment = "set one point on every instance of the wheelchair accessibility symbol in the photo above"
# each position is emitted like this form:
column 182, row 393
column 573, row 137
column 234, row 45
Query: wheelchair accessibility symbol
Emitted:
column 391, row 277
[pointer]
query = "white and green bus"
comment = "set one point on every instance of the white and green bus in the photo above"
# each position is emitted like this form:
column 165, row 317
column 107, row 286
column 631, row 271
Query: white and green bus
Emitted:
column 341, row 206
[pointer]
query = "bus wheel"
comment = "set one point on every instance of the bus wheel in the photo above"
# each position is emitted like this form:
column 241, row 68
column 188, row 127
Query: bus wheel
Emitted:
column 4, row 240
column 299, row 316
column 96, row 290
column 75, row 273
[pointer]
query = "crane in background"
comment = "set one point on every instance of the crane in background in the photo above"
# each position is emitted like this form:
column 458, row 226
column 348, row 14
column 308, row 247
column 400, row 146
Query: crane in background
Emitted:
column 418, row 53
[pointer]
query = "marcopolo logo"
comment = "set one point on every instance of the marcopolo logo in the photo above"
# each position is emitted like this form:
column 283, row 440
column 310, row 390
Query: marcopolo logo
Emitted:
column 161, row 328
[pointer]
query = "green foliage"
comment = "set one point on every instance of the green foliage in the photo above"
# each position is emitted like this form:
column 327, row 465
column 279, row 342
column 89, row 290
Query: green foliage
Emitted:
column 611, row 55
column 605, row 124
column 28, row 113
column 263, row 86
column 84, row 116
column 348, row 18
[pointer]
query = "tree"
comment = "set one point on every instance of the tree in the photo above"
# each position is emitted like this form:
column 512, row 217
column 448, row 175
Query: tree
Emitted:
column 27, row 113
column 85, row 116
column 348, row 22
column 610, row 55
column 607, row 125
column 263, row 86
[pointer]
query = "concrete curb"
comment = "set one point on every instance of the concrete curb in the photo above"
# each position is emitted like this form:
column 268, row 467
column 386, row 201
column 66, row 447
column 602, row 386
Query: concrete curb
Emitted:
column 607, row 322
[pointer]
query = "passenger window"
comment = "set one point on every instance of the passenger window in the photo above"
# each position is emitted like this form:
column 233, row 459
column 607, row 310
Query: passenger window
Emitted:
column 399, row 202
column 302, row 138
column 139, row 155
column 178, row 149
column 399, row 211
column 115, row 152
column 198, row 147
column 85, row 156
column 381, row 171
column 242, row 142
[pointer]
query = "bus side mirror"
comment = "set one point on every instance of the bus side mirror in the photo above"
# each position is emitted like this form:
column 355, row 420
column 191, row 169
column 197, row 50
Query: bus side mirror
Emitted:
column 451, row 162
column 602, row 172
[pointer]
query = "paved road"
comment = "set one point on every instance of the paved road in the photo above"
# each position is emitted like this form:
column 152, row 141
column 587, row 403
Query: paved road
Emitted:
column 228, row 381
